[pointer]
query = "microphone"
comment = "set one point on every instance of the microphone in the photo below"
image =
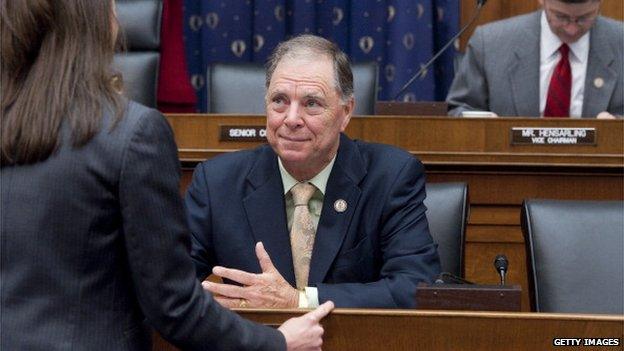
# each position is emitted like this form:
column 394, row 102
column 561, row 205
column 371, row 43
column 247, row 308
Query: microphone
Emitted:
column 501, row 264
column 424, row 68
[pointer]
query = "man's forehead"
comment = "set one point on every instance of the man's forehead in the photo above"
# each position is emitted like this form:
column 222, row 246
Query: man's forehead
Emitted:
column 303, row 77
column 290, row 87
column 573, row 9
column 304, row 69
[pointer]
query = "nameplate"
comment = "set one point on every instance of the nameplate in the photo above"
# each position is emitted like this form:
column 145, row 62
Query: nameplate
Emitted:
column 468, row 297
column 242, row 133
column 553, row 136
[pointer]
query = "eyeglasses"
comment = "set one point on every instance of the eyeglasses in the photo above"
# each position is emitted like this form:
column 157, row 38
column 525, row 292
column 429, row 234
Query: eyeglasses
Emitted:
column 565, row 20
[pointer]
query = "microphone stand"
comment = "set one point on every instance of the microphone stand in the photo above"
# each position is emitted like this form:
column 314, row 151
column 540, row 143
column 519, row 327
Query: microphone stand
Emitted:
column 424, row 68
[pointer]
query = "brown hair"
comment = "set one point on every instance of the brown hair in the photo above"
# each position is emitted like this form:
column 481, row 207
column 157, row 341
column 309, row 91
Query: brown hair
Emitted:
column 56, row 69
column 307, row 43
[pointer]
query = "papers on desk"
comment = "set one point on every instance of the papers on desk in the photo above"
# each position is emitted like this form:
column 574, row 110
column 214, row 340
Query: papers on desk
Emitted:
column 474, row 114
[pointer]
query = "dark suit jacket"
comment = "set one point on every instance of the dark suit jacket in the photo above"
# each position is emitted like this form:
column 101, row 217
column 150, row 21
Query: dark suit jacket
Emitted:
column 372, row 255
column 500, row 71
column 94, row 244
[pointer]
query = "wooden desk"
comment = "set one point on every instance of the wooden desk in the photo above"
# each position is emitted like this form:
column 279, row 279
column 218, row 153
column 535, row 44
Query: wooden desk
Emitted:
column 476, row 151
column 390, row 330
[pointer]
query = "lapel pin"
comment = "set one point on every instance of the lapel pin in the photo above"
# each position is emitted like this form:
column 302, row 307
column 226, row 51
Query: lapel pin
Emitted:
column 340, row 205
column 598, row 82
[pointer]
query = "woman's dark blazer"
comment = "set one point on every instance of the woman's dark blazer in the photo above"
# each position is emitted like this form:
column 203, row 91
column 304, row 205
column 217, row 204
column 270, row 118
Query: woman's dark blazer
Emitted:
column 95, row 249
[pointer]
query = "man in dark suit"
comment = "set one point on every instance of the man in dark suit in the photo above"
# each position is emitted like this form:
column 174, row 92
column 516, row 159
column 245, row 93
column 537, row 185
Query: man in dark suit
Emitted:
column 338, row 219
column 511, row 66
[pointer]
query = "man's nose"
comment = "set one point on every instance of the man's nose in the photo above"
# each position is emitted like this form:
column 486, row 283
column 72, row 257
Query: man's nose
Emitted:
column 572, row 29
column 293, row 115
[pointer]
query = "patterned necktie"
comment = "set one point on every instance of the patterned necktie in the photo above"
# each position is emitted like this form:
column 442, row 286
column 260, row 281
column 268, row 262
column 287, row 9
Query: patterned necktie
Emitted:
column 302, row 232
column 558, row 98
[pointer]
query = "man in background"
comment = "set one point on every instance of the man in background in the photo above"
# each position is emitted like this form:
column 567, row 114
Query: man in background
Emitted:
column 562, row 61
column 314, row 216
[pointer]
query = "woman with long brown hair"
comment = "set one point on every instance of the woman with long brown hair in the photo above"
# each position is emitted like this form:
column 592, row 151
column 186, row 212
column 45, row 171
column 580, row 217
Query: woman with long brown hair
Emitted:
column 94, row 247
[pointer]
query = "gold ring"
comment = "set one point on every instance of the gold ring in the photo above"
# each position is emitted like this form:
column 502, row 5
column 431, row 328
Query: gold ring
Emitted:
column 243, row 303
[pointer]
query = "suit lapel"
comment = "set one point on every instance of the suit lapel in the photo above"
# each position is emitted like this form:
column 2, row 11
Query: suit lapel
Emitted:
column 266, row 212
column 343, row 182
column 600, row 79
column 523, row 70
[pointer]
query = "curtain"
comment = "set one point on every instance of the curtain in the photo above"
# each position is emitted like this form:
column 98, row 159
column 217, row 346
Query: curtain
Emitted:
column 400, row 35
column 174, row 94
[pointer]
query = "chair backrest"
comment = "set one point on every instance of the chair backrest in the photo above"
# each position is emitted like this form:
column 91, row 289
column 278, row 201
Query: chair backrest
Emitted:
column 575, row 259
column 240, row 88
column 140, row 25
column 365, row 79
column 447, row 213
column 236, row 88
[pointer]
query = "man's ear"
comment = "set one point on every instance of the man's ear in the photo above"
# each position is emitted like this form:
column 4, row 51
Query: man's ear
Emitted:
column 348, row 109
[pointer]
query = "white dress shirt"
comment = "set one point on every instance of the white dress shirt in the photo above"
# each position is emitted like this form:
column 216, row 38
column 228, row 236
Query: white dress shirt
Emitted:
column 549, row 57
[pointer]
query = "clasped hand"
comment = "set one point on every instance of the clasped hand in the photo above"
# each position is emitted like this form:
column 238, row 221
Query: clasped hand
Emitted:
column 265, row 290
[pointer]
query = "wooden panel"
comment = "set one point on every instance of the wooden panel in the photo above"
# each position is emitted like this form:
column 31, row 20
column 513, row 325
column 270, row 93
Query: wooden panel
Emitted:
column 492, row 11
column 504, row 189
column 493, row 214
column 501, row 9
column 486, row 233
column 613, row 9
column 474, row 141
column 407, row 330
column 480, row 265
column 392, row 330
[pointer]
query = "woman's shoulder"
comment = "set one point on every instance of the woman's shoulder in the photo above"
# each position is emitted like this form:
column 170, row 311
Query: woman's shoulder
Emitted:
column 134, row 113
column 134, row 118
column 137, row 126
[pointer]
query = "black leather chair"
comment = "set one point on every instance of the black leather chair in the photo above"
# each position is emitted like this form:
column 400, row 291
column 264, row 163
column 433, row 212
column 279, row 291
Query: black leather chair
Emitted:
column 140, row 26
column 365, row 80
column 575, row 258
column 240, row 88
column 236, row 88
column 447, row 213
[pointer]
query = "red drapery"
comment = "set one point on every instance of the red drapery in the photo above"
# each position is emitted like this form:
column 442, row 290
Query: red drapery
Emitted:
column 175, row 93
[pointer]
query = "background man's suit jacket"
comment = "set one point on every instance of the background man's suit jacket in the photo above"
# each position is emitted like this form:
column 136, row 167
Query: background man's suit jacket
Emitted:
column 94, row 243
column 371, row 255
column 500, row 71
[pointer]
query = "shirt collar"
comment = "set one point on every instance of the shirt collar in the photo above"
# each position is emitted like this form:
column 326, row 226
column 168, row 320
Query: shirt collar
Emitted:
column 550, row 43
column 319, row 180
